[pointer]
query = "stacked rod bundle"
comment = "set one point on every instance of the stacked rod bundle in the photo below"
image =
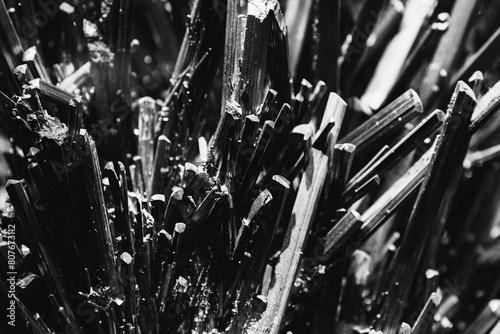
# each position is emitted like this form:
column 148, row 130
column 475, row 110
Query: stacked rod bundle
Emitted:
column 254, row 166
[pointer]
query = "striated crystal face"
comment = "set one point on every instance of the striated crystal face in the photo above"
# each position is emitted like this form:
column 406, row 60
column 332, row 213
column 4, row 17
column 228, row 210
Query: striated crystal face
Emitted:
column 261, row 166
